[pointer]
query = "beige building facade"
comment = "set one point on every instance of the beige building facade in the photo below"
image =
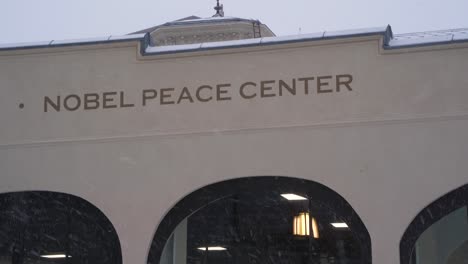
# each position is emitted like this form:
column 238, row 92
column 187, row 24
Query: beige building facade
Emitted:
column 133, row 128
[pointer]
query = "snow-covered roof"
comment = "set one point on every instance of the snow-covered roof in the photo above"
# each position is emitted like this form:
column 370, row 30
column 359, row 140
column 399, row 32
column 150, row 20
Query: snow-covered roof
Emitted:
column 207, row 20
column 264, row 41
column 429, row 38
column 390, row 41
column 71, row 42
column 194, row 20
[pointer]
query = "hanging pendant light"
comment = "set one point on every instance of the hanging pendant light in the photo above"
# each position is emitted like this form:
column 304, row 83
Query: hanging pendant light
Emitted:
column 302, row 223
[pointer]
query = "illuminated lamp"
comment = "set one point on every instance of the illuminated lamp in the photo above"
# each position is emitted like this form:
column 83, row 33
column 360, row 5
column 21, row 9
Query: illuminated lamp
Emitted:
column 301, row 225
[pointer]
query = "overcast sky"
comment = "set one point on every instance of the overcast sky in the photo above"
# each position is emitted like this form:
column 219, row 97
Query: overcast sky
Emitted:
column 39, row 20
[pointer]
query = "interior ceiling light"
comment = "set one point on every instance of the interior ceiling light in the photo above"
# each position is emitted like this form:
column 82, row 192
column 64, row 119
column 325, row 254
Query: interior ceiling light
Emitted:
column 293, row 197
column 212, row 248
column 339, row 225
column 301, row 225
column 55, row 256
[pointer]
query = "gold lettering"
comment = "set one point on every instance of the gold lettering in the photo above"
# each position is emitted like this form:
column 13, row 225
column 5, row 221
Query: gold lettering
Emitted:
column 149, row 94
column 122, row 101
column 91, row 101
column 221, row 94
column 185, row 95
column 291, row 89
column 198, row 93
column 242, row 92
column 306, row 83
column 264, row 88
column 347, row 82
column 48, row 101
column 107, row 99
column 321, row 84
column 67, row 104
column 164, row 95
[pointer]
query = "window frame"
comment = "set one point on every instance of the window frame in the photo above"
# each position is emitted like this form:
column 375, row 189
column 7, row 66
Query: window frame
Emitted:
column 432, row 213
column 71, row 203
column 220, row 190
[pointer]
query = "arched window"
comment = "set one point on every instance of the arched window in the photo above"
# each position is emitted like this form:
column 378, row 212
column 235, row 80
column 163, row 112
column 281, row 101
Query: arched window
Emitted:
column 261, row 220
column 47, row 227
column 439, row 233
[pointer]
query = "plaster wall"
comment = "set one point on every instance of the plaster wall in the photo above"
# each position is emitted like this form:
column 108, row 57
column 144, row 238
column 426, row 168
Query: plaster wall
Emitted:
column 392, row 145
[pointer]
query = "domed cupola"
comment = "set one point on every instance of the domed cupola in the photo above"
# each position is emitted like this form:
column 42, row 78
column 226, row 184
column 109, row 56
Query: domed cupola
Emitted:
column 193, row 29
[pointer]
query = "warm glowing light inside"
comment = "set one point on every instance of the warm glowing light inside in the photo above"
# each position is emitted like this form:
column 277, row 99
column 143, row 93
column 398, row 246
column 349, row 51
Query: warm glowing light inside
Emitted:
column 301, row 225
column 339, row 225
column 293, row 197
column 55, row 256
column 212, row 248
column 315, row 231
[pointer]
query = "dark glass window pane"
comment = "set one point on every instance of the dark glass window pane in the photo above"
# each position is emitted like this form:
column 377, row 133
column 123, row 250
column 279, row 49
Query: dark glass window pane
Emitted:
column 439, row 243
column 47, row 227
column 439, row 233
column 262, row 224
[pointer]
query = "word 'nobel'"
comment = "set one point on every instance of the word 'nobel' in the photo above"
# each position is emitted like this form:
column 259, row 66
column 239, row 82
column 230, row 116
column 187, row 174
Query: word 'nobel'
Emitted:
column 201, row 94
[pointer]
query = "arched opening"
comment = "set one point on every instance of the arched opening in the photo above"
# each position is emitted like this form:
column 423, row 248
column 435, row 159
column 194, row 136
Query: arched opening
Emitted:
column 261, row 220
column 40, row 227
column 439, row 233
